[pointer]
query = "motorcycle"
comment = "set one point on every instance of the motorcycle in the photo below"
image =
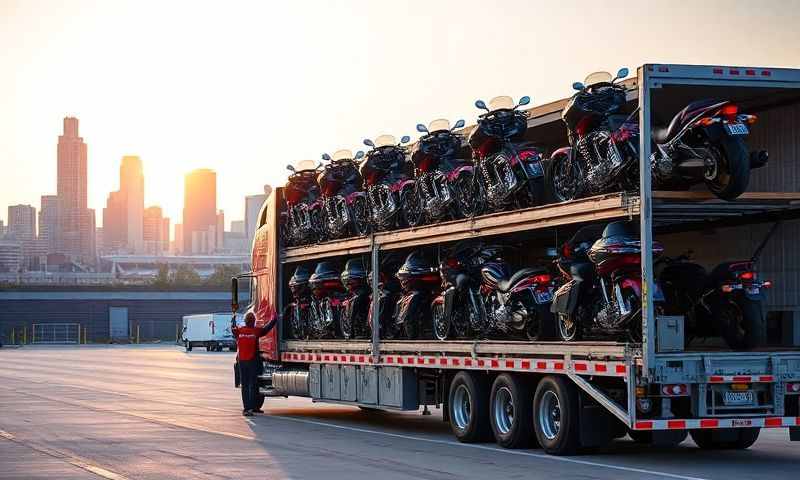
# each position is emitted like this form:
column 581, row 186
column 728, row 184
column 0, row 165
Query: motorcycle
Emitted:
column 509, row 170
column 703, row 143
column 326, row 303
column 302, row 220
column 344, row 203
column 480, row 294
column 419, row 283
column 727, row 302
column 603, row 291
column 388, row 294
column 445, row 182
column 355, row 306
column 296, row 313
column 389, row 182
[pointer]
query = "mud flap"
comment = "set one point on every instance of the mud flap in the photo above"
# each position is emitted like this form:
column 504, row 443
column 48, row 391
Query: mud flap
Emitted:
column 794, row 434
column 598, row 427
column 566, row 298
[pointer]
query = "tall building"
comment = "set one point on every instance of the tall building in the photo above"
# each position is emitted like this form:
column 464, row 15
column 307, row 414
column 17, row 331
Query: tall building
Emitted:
column 76, row 231
column 10, row 256
column 252, row 207
column 22, row 223
column 123, row 216
column 48, row 222
column 237, row 226
column 2, row 230
column 199, row 210
column 178, row 241
column 155, row 231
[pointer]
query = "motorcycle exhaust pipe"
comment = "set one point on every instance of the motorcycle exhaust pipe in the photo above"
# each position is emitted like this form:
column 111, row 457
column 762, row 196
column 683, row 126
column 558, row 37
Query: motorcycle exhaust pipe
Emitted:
column 758, row 158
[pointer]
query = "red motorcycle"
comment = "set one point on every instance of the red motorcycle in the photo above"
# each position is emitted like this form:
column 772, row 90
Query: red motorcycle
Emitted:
column 390, row 186
column 302, row 220
column 344, row 203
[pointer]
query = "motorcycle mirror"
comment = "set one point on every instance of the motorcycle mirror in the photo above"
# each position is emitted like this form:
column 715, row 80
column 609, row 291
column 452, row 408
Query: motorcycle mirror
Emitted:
column 524, row 101
column 481, row 104
column 359, row 154
column 405, row 139
column 422, row 128
column 319, row 165
column 459, row 124
column 369, row 143
column 290, row 168
column 326, row 157
column 577, row 86
column 622, row 73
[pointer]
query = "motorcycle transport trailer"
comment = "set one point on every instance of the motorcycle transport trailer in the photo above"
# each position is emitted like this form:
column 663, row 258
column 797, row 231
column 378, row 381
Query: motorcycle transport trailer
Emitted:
column 574, row 394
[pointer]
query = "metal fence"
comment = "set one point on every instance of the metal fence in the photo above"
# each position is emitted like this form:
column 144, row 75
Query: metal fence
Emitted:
column 56, row 333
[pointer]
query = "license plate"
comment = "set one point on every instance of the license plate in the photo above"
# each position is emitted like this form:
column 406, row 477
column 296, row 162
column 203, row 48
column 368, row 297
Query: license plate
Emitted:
column 736, row 129
column 739, row 398
column 535, row 169
column 543, row 296
column 753, row 290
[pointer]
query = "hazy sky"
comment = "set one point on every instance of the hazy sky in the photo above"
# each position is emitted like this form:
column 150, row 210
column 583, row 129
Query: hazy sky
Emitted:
column 245, row 88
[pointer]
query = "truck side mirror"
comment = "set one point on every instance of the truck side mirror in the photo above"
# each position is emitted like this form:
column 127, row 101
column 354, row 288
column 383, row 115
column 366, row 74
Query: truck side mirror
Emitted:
column 234, row 294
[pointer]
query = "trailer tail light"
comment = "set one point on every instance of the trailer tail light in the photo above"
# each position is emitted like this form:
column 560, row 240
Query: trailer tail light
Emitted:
column 676, row 390
column 793, row 388
column 730, row 111
column 740, row 387
column 641, row 392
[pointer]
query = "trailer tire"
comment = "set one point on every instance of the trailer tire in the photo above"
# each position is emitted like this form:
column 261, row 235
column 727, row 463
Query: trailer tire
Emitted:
column 468, row 407
column 742, row 438
column 511, row 411
column 555, row 416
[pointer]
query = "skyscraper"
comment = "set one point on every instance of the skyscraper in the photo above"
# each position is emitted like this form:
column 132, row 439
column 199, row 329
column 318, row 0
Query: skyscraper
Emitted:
column 123, row 216
column 156, row 231
column 22, row 223
column 48, row 222
column 199, row 209
column 252, row 207
column 76, row 235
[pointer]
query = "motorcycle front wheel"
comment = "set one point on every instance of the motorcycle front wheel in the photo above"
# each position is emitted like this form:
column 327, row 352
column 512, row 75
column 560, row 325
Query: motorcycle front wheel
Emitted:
column 727, row 172
column 346, row 323
column 465, row 189
column 411, row 208
column 563, row 179
column 360, row 213
column 441, row 322
column 569, row 327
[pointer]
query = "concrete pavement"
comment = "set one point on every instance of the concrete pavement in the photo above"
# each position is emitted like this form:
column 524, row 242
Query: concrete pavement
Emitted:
column 156, row 412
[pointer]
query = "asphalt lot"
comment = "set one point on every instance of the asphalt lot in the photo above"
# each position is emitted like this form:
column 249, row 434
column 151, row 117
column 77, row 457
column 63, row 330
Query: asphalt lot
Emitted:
column 155, row 412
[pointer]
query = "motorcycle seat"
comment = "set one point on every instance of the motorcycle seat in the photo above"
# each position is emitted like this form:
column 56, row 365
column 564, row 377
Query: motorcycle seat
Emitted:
column 505, row 285
column 663, row 135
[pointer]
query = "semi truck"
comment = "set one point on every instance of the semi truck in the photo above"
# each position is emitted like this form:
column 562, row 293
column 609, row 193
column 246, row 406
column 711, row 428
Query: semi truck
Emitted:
column 569, row 395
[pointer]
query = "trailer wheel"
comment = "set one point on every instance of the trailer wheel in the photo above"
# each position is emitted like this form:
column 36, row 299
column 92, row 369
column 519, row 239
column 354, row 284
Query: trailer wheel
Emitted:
column 555, row 418
column 725, row 438
column 468, row 407
column 511, row 411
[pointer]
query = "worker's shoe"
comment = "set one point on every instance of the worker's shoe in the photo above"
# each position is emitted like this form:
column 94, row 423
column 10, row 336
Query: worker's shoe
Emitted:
column 247, row 413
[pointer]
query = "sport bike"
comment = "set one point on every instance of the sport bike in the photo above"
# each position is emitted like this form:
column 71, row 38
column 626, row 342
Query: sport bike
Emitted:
column 344, row 203
column 302, row 220
column 445, row 182
column 389, row 183
column 509, row 170
column 326, row 303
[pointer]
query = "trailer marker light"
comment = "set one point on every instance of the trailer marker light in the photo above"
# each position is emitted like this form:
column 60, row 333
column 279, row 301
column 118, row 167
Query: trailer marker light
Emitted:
column 750, row 72
column 641, row 391
column 734, row 71
column 740, row 387
column 718, row 71
column 766, row 73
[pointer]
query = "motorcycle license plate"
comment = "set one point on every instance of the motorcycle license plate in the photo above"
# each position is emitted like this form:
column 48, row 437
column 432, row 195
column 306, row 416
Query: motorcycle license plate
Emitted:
column 739, row 398
column 736, row 129
column 543, row 296
column 535, row 169
column 753, row 290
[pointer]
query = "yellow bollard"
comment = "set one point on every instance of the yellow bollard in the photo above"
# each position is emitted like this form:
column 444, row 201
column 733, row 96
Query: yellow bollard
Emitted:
column 137, row 334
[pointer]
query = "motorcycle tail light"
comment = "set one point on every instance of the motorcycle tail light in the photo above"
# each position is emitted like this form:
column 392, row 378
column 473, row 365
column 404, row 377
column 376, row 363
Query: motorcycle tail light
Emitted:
column 540, row 279
column 676, row 390
column 729, row 112
column 453, row 263
column 527, row 155
column 749, row 276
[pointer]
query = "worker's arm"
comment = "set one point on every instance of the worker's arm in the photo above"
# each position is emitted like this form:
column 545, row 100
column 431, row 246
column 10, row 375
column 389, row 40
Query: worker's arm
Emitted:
column 269, row 326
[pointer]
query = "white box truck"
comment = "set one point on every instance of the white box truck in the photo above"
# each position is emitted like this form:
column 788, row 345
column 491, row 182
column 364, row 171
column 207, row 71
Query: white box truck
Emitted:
column 210, row 330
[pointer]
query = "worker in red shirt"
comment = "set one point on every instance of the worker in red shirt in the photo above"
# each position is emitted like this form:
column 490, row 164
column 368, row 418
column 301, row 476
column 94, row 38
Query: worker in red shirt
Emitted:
column 248, row 359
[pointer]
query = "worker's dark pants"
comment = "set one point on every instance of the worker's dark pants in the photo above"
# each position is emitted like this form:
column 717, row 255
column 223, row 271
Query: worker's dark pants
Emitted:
column 248, row 376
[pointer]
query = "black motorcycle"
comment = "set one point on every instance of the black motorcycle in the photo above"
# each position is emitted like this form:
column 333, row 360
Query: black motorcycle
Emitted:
column 326, row 302
column 389, row 182
column 445, row 183
column 388, row 293
column 419, row 283
column 703, row 143
column 344, row 202
column 509, row 170
column 355, row 306
column 603, row 290
column 295, row 315
column 302, row 220
column 727, row 302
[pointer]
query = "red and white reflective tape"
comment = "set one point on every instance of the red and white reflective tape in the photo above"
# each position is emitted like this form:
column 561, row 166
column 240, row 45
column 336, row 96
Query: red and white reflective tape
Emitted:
column 607, row 369
column 679, row 424
column 741, row 379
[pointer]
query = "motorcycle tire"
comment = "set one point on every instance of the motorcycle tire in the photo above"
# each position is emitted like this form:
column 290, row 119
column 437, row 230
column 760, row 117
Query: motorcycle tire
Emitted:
column 360, row 214
column 733, row 168
column 411, row 209
column 569, row 327
column 346, row 326
column 741, row 323
column 441, row 323
column 465, row 190
column 554, row 177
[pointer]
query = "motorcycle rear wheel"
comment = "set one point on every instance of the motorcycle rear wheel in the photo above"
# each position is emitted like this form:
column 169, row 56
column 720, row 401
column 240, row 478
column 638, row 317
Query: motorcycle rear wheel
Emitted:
column 411, row 208
column 465, row 190
column 441, row 322
column 741, row 323
column 569, row 327
column 360, row 213
column 563, row 179
column 731, row 174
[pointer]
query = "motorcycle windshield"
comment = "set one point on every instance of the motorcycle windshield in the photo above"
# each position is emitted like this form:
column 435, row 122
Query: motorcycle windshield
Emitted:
column 385, row 141
column 343, row 154
column 303, row 165
column 438, row 125
column 597, row 77
column 502, row 102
